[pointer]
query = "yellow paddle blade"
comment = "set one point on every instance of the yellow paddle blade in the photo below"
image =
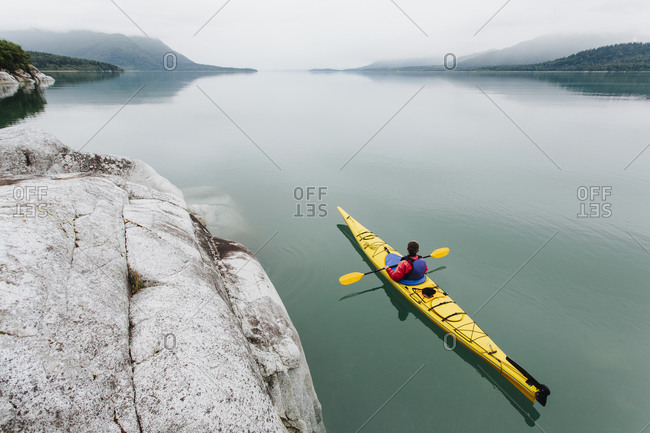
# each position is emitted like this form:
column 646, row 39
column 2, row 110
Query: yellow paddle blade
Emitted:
column 440, row 252
column 350, row 278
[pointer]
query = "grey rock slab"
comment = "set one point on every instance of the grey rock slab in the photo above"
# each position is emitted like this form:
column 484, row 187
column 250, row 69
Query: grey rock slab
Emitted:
column 117, row 313
column 190, row 354
column 64, row 328
column 274, row 341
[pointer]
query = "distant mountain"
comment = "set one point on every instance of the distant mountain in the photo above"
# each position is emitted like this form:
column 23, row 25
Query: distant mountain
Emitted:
column 128, row 52
column 536, row 50
column 52, row 62
column 620, row 57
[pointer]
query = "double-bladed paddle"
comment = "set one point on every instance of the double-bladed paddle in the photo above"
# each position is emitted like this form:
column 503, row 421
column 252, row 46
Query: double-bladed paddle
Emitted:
column 356, row 276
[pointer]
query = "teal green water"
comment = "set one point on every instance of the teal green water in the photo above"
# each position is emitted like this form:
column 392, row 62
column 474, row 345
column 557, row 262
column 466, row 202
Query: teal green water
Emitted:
column 450, row 169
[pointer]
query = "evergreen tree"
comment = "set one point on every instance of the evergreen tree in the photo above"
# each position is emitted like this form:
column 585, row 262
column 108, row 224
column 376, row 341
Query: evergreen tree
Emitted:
column 13, row 57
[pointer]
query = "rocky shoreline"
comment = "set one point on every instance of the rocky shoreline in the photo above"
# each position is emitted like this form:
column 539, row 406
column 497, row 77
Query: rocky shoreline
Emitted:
column 120, row 312
column 10, row 82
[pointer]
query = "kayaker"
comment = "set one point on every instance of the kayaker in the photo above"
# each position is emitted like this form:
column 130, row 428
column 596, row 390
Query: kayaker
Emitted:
column 411, row 267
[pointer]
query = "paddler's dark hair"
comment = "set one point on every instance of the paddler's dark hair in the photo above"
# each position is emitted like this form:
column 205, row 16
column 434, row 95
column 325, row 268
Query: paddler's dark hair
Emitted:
column 413, row 248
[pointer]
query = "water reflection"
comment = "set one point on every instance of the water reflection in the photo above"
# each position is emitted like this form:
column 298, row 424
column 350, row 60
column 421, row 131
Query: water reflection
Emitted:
column 24, row 103
column 518, row 401
column 602, row 84
column 608, row 84
column 109, row 88
column 101, row 88
column 30, row 100
column 66, row 79
column 352, row 295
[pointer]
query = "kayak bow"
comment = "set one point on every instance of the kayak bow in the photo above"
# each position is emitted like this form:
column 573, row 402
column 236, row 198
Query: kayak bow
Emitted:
column 445, row 313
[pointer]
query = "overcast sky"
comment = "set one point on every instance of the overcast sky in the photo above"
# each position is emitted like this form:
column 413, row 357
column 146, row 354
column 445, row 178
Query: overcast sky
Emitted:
column 302, row 34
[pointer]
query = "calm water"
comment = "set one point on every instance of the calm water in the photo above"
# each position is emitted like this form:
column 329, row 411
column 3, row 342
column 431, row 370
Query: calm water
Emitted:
column 450, row 169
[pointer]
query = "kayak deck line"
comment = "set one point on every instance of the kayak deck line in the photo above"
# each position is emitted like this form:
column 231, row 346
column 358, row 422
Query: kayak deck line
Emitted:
column 447, row 314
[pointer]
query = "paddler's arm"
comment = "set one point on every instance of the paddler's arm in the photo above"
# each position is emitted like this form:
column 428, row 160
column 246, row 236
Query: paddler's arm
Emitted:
column 403, row 268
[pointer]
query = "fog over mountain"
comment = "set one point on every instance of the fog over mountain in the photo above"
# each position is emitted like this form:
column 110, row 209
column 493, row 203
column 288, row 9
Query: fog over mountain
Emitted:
column 128, row 52
column 536, row 50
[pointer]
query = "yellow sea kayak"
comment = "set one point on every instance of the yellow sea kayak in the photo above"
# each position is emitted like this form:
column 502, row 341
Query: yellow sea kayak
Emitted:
column 445, row 313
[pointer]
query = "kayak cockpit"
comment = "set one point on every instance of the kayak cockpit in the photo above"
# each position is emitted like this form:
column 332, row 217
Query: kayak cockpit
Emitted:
column 393, row 260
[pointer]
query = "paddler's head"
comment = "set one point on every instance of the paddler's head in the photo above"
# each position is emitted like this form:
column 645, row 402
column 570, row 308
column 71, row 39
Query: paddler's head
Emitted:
column 413, row 248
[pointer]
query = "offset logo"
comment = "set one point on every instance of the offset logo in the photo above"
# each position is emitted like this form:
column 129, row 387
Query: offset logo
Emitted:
column 29, row 201
column 593, row 201
column 310, row 201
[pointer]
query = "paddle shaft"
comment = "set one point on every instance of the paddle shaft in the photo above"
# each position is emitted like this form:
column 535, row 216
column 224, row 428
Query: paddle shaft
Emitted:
column 356, row 276
column 391, row 266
